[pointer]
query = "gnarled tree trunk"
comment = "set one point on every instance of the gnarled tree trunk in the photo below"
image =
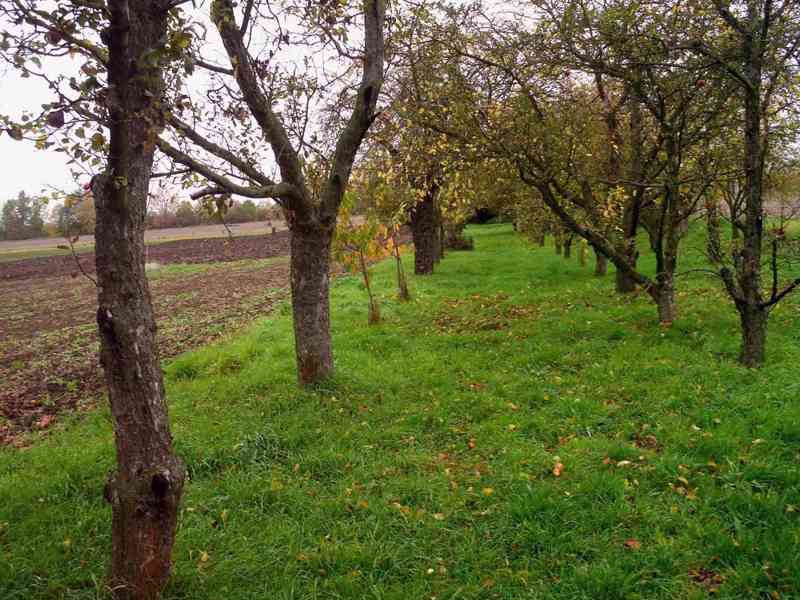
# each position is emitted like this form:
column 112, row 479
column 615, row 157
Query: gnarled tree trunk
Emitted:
column 600, row 264
column 310, row 275
column 754, row 335
column 145, row 490
column 425, row 234
column 630, row 221
column 664, row 296
column 630, row 216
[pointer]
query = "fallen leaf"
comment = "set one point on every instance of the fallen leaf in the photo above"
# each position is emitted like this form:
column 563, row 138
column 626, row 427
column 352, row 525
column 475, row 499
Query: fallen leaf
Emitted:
column 558, row 469
column 633, row 544
column 44, row 422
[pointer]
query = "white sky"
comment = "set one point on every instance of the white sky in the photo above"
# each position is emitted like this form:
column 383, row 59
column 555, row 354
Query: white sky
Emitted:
column 22, row 167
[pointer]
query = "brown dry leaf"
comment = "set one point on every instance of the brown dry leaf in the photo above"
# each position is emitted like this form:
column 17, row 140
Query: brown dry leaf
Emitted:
column 472, row 443
column 44, row 422
column 558, row 469
column 707, row 578
column 633, row 544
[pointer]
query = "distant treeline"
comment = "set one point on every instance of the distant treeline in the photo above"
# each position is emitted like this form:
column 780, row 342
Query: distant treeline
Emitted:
column 25, row 217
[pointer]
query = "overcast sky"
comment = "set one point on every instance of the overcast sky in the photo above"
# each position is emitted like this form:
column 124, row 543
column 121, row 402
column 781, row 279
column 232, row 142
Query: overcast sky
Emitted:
column 24, row 167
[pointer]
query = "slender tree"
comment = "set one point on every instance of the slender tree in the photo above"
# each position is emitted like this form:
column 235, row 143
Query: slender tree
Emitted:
column 146, row 488
column 309, row 190
column 755, row 46
column 126, row 47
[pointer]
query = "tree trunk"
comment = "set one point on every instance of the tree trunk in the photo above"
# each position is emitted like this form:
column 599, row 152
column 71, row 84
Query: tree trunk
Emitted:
column 557, row 243
column 754, row 336
column 582, row 253
column 630, row 218
column 714, row 237
column 600, row 264
column 310, row 274
column 753, row 318
column 632, row 210
column 663, row 294
column 374, row 314
column 568, row 247
column 402, row 285
column 145, row 490
column 624, row 283
column 425, row 234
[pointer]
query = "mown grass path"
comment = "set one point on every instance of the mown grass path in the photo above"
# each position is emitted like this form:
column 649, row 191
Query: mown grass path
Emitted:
column 518, row 431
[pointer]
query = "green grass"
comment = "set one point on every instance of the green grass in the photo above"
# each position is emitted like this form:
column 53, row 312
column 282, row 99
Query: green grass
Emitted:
column 25, row 253
column 170, row 270
column 424, row 469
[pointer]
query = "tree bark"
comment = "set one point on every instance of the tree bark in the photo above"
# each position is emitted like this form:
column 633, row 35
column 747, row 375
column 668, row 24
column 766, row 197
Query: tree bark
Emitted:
column 754, row 319
column 754, row 336
column 600, row 264
column 310, row 275
column 312, row 216
column 425, row 235
column 557, row 244
column 666, row 236
column 630, row 224
column 568, row 247
column 713, row 234
column 624, row 284
column 145, row 490
column 664, row 296
column 402, row 285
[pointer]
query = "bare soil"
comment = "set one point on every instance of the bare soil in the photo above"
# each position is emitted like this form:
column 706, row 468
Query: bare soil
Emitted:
column 48, row 340
column 177, row 251
column 154, row 235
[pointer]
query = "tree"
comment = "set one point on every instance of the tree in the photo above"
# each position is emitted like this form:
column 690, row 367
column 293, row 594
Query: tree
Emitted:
column 146, row 489
column 186, row 215
column 310, row 190
column 21, row 218
column 754, row 44
column 540, row 110
column 356, row 245
column 85, row 214
column 126, row 46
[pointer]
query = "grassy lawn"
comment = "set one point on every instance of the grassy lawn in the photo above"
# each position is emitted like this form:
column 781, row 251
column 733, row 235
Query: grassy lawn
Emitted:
column 517, row 431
